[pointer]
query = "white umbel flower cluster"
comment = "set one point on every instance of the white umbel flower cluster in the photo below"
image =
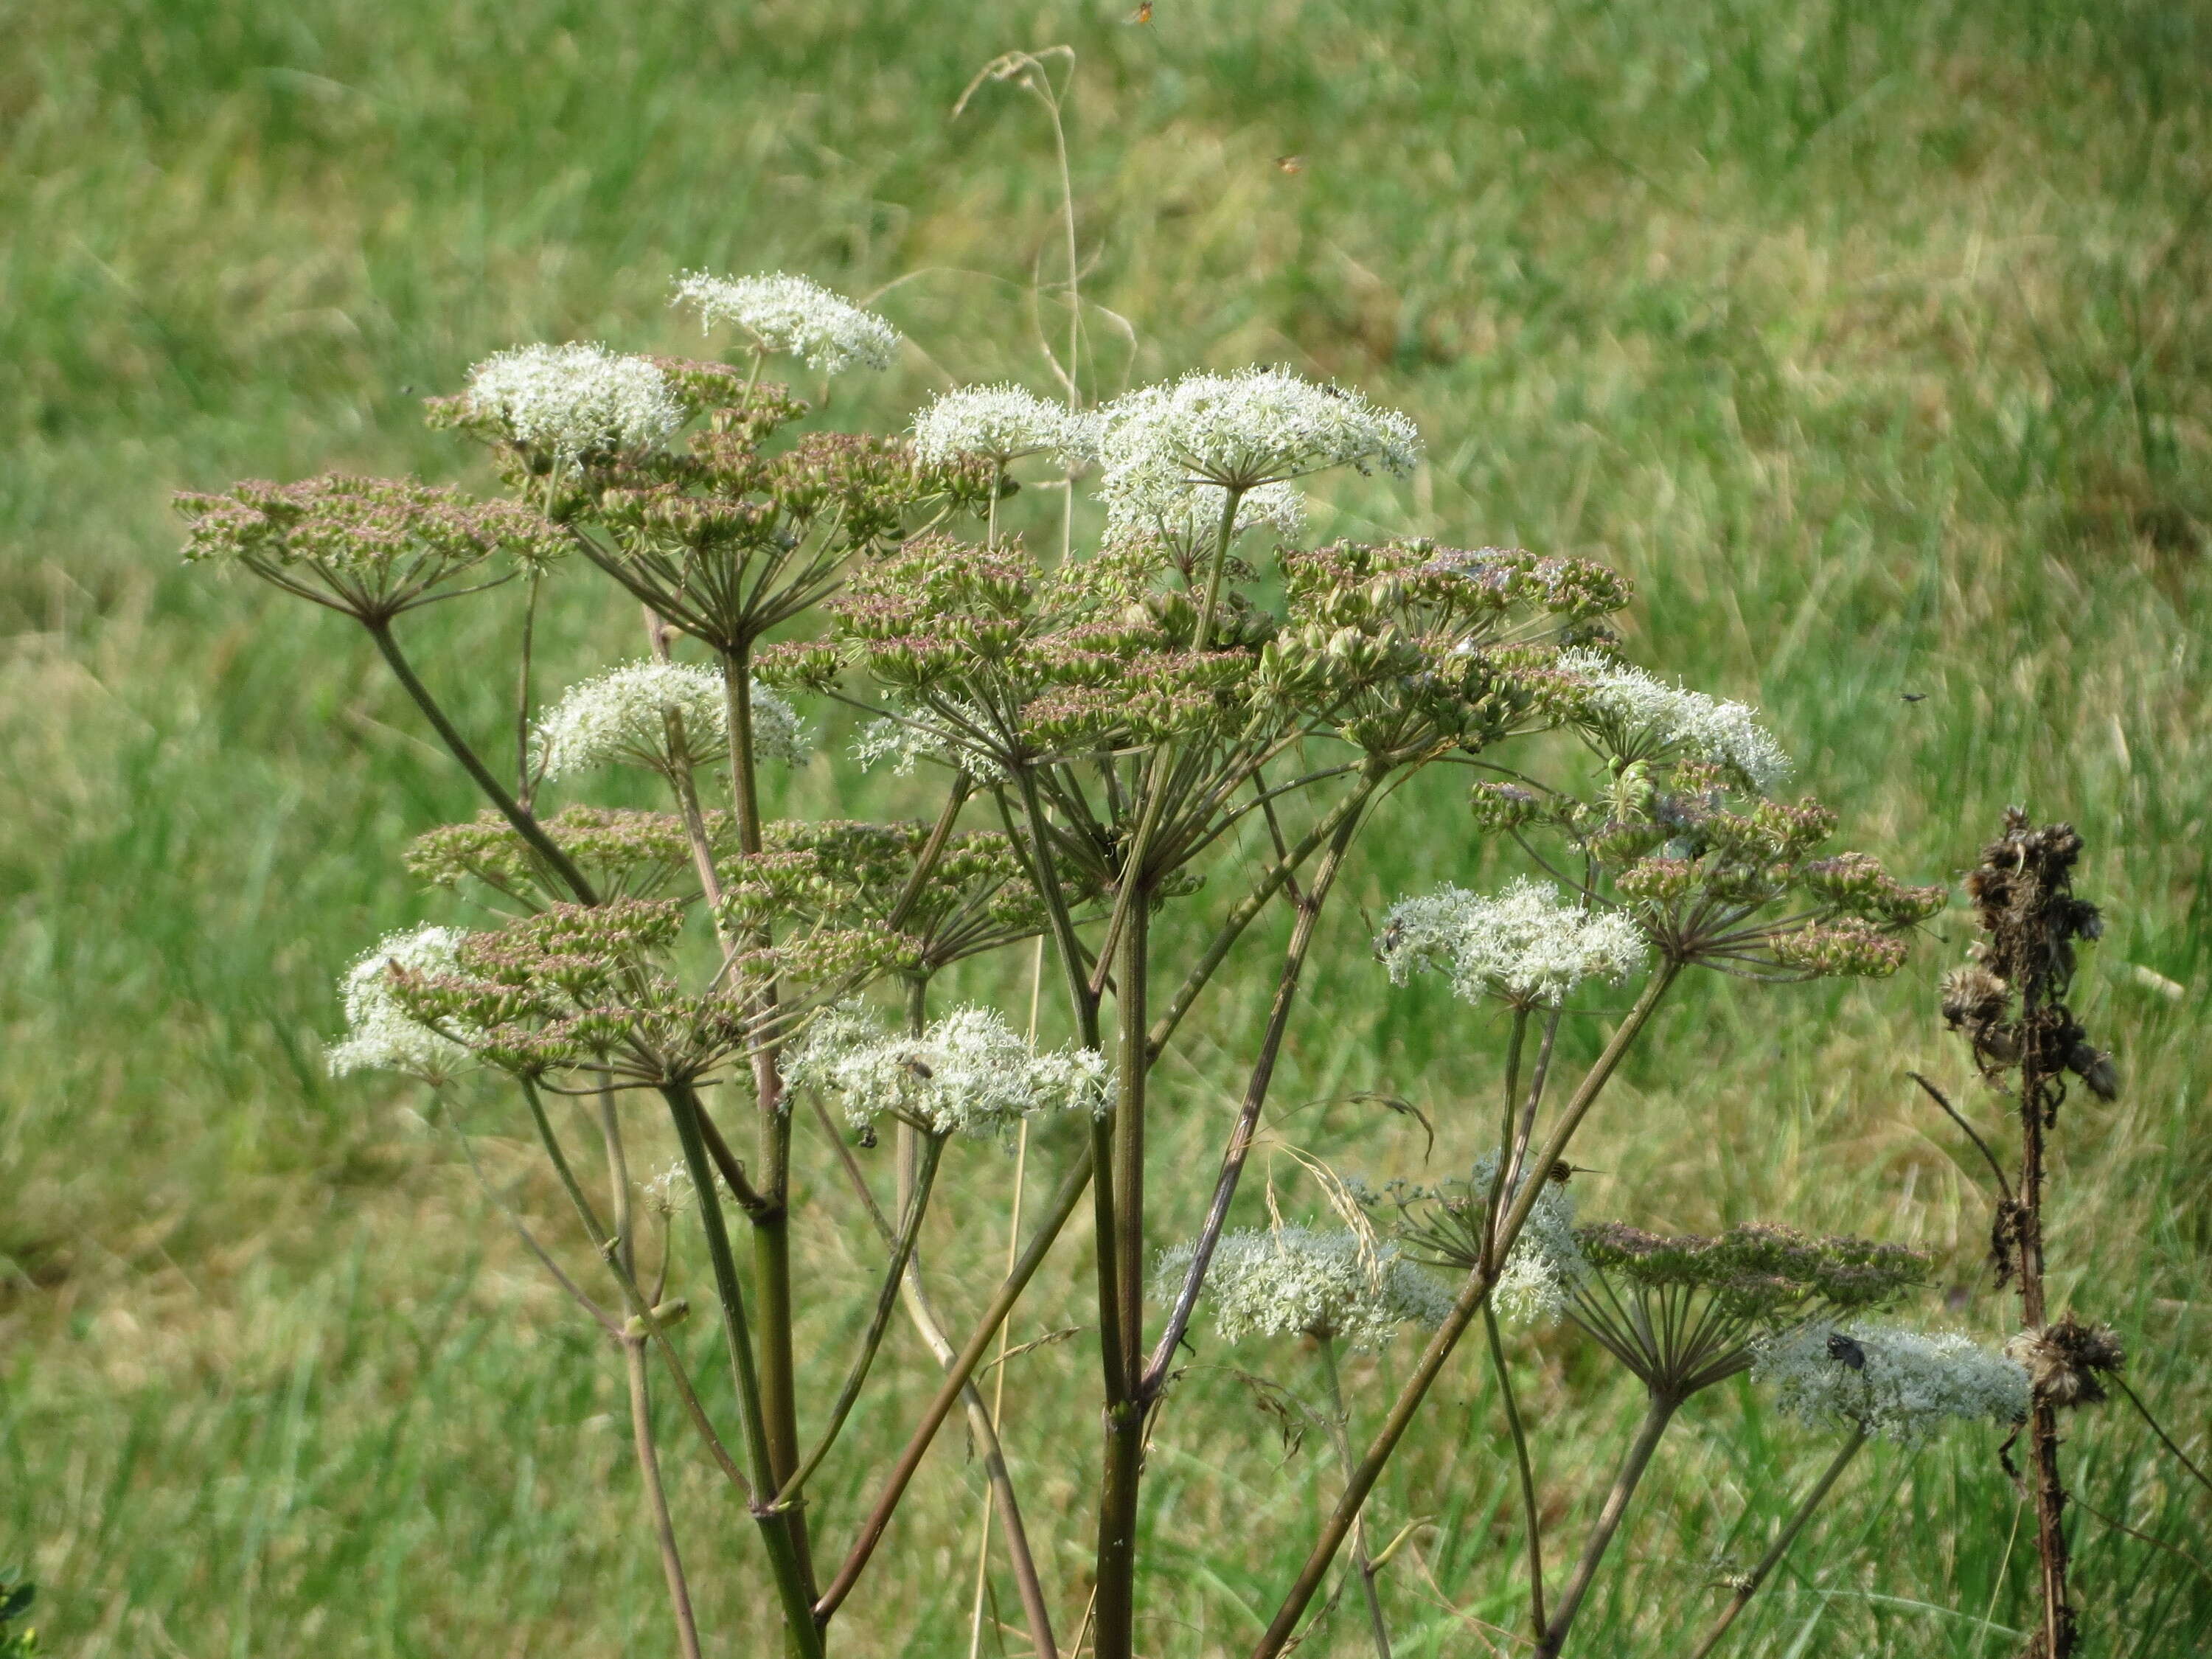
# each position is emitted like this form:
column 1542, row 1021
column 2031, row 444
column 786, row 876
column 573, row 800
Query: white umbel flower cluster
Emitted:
column 1523, row 946
column 1002, row 421
column 1643, row 715
column 898, row 745
column 380, row 1034
column 621, row 718
column 1545, row 1264
column 1293, row 1281
column 1189, row 515
column 575, row 399
column 1240, row 431
column 793, row 314
column 968, row 1073
column 1902, row 1384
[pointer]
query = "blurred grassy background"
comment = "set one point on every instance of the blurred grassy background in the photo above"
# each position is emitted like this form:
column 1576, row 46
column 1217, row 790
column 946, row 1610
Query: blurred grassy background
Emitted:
column 1871, row 338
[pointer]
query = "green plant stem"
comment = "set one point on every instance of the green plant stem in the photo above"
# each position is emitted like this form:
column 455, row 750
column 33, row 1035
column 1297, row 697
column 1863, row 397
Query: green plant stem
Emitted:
column 664, row 1525
column 957, row 1376
column 917, row 1203
column 1346, row 824
column 1465, row 1306
column 523, row 783
column 1787, row 1536
column 982, row 1422
column 2164, row 1438
column 519, row 816
column 1202, row 639
column 1247, row 908
column 1122, row 1472
column 1493, row 1258
column 1528, row 1510
column 640, row 1305
column 771, row 1221
column 1658, row 1412
column 1341, row 1438
column 778, row 1528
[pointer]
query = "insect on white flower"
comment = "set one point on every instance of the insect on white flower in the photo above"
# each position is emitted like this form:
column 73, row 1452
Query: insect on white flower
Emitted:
column 1523, row 946
column 1004, row 423
column 1291, row 1281
column 1887, row 1380
column 621, row 718
column 576, row 399
column 1639, row 716
column 380, row 1034
column 968, row 1073
column 787, row 313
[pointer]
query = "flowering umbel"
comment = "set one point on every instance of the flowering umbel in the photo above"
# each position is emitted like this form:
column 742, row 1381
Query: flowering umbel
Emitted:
column 622, row 718
column 1524, row 946
column 1884, row 1380
column 1292, row 1281
column 381, row 1034
column 794, row 314
column 574, row 400
column 968, row 1073
column 1002, row 424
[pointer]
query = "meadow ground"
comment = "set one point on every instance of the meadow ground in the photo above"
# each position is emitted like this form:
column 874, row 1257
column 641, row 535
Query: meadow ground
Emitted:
column 1873, row 339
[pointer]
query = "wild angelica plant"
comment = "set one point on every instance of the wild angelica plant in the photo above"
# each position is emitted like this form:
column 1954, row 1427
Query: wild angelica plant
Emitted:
column 1119, row 719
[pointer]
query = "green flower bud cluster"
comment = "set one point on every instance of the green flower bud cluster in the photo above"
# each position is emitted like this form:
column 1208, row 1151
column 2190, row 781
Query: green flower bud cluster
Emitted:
column 628, row 854
column 369, row 547
column 1683, row 1312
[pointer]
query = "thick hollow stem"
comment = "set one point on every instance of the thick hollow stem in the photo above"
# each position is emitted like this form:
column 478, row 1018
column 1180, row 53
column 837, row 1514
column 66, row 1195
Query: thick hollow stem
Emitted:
column 1465, row 1306
column 1780, row 1546
column 779, row 1528
column 1529, row 1513
column 771, row 1222
column 1656, row 1416
column 513, row 811
column 1121, row 1477
column 1339, row 1437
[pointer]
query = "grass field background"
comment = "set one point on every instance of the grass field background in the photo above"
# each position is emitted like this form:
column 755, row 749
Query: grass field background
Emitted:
column 1873, row 339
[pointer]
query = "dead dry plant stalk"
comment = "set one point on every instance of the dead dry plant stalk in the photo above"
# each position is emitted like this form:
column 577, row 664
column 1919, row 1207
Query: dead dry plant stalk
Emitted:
column 2010, row 1004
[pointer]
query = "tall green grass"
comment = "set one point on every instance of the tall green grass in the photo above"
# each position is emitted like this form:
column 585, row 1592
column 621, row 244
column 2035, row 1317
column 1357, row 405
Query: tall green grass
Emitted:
column 1870, row 338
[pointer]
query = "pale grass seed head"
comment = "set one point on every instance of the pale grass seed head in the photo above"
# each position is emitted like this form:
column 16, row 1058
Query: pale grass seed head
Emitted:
column 621, row 718
column 380, row 1034
column 968, row 1074
column 1641, row 716
column 1004, row 423
column 795, row 315
column 1905, row 1385
column 576, row 399
column 1523, row 945
column 1294, row 1281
